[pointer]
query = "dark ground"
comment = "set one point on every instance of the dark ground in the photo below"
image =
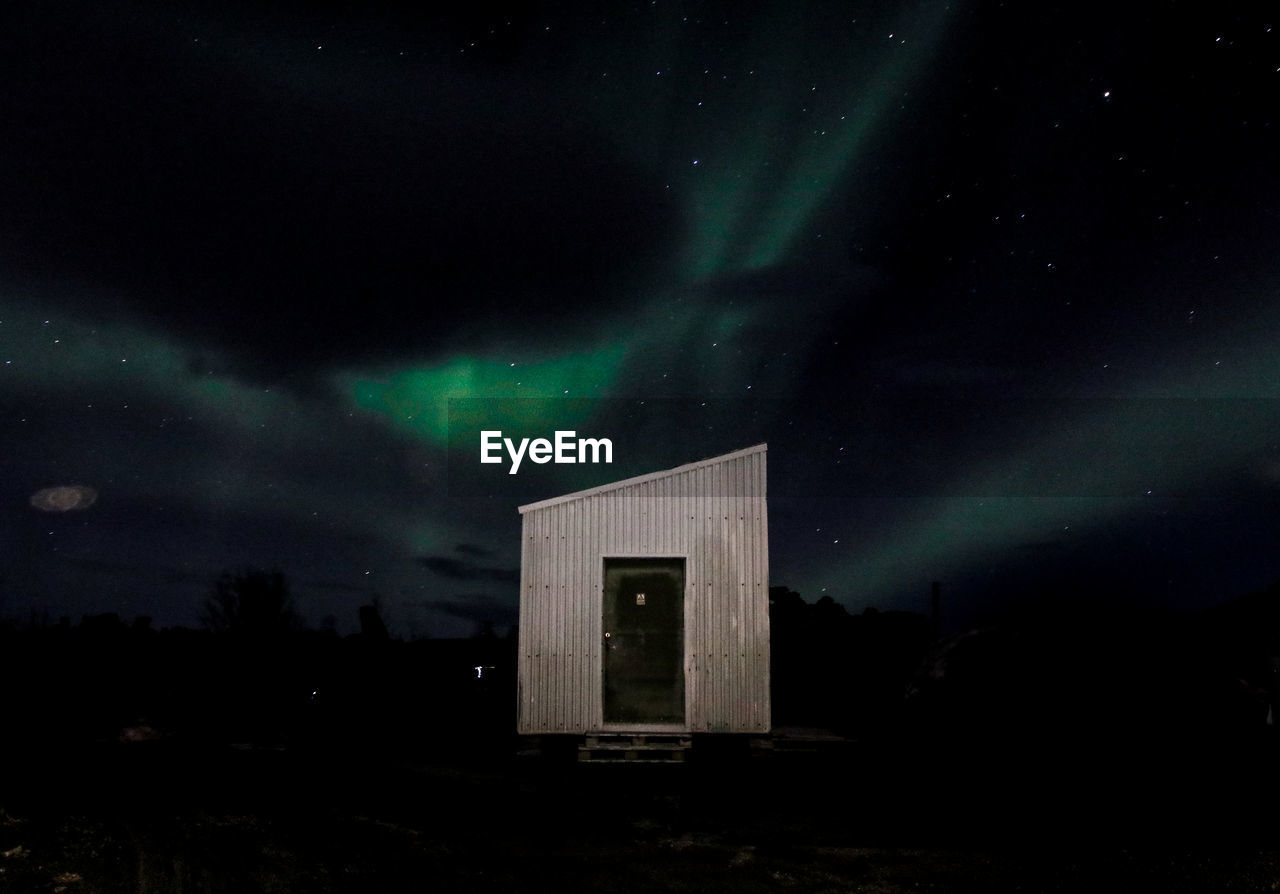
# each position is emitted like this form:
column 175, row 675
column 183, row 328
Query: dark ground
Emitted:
column 174, row 816
column 1095, row 758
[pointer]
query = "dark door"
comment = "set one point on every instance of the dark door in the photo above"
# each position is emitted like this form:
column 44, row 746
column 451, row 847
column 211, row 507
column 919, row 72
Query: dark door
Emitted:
column 644, row 641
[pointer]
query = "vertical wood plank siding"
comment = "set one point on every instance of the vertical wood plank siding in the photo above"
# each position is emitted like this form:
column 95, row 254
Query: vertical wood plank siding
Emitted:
column 713, row 513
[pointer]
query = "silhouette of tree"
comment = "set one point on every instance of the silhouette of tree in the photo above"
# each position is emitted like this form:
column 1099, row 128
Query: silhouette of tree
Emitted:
column 372, row 625
column 252, row 602
column 846, row 672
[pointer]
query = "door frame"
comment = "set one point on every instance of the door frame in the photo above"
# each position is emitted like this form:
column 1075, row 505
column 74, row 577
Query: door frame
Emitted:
column 656, row 728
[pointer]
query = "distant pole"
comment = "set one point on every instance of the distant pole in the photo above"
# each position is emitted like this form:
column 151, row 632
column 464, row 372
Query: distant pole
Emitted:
column 935, row 608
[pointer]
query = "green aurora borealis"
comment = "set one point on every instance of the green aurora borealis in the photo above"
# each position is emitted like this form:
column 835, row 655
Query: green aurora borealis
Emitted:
column 852, row 232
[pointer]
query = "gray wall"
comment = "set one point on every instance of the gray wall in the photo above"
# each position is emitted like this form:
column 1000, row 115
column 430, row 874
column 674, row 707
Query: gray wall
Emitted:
column 713, row 514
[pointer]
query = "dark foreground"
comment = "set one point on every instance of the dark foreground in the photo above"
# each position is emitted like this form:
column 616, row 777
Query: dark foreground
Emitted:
column 173, row 817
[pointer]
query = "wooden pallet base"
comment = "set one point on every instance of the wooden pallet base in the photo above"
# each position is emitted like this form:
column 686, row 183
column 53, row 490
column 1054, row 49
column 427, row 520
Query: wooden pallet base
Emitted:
column 634, row 749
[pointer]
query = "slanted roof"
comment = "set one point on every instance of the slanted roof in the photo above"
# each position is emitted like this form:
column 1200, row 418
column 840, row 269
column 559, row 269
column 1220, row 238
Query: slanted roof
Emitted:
column 640, row 479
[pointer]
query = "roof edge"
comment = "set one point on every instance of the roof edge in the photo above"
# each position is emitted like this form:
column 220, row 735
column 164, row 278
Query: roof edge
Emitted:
column 640, row 479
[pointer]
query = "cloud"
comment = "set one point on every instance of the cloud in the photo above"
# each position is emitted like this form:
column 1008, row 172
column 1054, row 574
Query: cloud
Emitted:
column 470, row 549
column 65, row 498
column 458, row 569
column 1037, row 546
column 476, row 607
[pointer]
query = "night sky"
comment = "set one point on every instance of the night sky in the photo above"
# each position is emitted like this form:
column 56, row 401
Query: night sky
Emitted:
column 996, row 282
